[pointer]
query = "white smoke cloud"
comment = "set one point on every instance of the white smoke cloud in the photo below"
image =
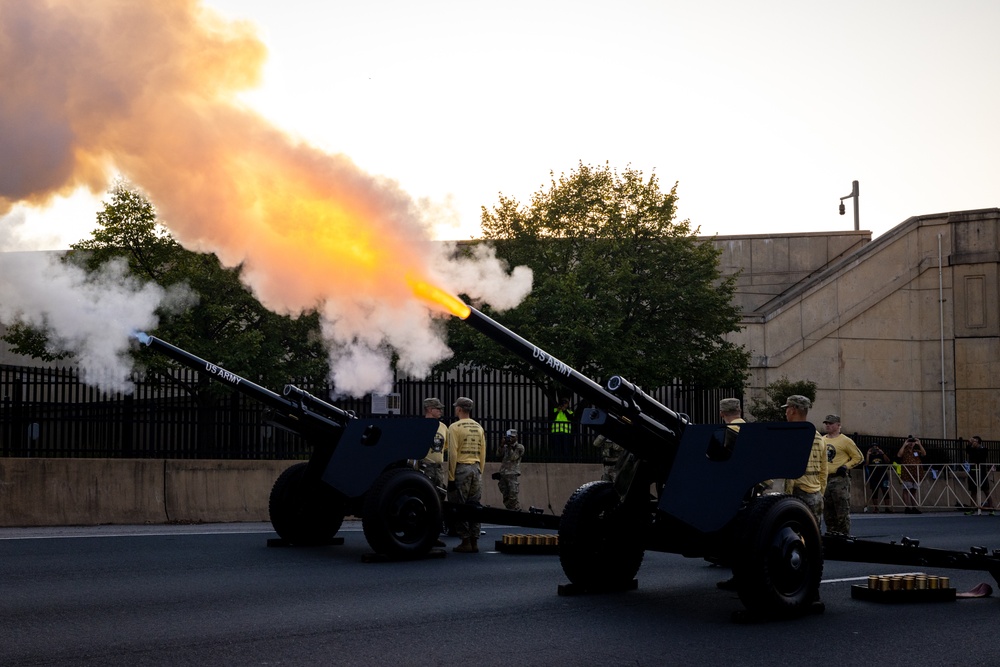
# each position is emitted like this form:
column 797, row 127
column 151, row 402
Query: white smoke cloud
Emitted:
column 88, row 315
column 150, row 89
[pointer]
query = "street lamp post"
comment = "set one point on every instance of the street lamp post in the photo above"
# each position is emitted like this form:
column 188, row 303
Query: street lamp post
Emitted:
column 854, row 194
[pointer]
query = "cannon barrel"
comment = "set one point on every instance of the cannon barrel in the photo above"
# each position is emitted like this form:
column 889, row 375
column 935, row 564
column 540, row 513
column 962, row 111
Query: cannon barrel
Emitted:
column 317, row 405
column 625, row 390
column 289, row 411
column 625, row 411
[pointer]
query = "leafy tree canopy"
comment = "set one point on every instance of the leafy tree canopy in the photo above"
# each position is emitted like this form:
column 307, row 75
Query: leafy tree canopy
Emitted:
column 224, row 323
column 620, row 286
column 767, row 408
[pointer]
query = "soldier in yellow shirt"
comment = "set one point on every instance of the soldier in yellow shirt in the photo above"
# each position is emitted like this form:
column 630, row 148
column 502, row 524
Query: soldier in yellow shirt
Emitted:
column 466, row 460
column 810, row 487
column 841, row 455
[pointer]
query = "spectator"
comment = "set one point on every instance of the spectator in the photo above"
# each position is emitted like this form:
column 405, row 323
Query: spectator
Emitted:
column 809, row 488
column 466, row 460
column 979, row 475
column 877, row 463
column 841, row 455
column 511, row 452
column 909, row 458
column 562, row 426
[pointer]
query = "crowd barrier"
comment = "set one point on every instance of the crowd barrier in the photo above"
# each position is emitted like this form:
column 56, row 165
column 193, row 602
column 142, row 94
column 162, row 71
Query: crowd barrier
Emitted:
column 935, row 487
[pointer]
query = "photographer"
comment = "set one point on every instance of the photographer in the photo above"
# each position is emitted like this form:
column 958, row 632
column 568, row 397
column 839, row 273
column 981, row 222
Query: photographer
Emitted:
column 910, row 457
column 511, row 452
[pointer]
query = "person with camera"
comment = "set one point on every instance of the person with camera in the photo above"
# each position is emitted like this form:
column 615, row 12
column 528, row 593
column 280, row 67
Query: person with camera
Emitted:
column 511, row 452
column 911, row 457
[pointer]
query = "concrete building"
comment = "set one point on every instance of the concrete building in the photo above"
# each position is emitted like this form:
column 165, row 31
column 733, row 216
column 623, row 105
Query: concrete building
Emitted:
column 900, row 333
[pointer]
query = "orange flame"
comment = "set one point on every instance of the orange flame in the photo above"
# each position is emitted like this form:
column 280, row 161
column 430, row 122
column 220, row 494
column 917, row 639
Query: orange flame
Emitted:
column 439, row 298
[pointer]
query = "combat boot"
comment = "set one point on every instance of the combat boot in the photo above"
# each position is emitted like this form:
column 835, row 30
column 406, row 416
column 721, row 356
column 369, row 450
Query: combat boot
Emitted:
column 474, row 541
column 465, row 547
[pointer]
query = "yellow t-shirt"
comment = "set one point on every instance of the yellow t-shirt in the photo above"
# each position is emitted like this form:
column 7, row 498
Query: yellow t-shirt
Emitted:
column 845, row 452
column 466, row 444
column 814, row 478
column 439, row 446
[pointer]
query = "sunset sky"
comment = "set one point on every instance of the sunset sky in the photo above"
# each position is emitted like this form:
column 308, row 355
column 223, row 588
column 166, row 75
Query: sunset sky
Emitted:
column 762, row 112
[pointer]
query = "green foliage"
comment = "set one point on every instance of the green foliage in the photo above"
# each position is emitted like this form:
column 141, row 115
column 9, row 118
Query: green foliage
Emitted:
column 30, row 342
column 210, row 312
column 620, row 287
column 767, row 408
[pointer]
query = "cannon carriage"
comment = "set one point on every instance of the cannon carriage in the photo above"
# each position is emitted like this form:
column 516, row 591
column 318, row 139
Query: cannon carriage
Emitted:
column 689, row 489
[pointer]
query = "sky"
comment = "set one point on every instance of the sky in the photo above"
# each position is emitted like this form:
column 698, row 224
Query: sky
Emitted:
column 763, row 113
column 324, row 147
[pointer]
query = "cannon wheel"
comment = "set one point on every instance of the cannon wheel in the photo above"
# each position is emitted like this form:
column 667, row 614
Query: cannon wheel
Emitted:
column 779, row 559
column 600, row 541
column 402, row 514
column 302, row 512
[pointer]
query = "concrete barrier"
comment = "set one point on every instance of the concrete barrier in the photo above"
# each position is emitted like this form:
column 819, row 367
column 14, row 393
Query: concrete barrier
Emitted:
column 82, row 492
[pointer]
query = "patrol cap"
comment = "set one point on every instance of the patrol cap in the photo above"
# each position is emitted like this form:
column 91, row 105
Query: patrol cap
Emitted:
column 832, row 419
column 463, row 402
column 797, row 401
column 729, row 405
column 433, row 403
column 511, row 433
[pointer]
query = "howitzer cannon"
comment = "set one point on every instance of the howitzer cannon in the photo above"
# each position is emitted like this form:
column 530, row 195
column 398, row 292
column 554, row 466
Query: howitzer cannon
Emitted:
column 357, row 467
column 690, row 489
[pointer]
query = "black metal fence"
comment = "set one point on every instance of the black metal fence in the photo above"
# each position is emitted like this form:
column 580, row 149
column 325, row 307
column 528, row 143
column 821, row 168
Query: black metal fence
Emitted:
column 48, row 412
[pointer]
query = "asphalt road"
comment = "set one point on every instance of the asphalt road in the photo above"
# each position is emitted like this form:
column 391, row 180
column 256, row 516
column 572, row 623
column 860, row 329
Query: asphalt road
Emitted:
column 217, row 595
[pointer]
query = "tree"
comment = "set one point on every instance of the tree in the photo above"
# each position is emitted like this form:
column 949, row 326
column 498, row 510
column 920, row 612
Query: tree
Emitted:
column 620, row 286
column 223, row 321
column 767, row 408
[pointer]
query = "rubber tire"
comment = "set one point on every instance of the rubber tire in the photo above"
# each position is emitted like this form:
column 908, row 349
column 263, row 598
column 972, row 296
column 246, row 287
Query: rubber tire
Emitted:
column 779, row 561
column 402, row 514
column 303, row 513
column 601, row 543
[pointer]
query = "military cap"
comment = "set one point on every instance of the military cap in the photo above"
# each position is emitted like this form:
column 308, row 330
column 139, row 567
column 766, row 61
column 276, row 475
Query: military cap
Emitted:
column 797, row 401
column 729, row 405
column 433, row 403
column 832, row 419
column 463, row 402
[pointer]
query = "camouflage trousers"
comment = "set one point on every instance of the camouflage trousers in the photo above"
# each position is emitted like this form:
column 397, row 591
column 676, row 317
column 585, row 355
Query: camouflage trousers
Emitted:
column 468, row 489
column 438, row 476
column 814, row 501
column 509, row 488
column 837, row 504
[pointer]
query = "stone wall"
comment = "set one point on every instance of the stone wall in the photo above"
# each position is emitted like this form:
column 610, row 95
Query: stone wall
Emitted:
column 84, row 492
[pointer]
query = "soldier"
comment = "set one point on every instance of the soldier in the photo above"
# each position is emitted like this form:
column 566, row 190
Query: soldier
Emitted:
column 810, row 487
column 434, row 464
column 730, row 412
column 511, row 452
column 611, row 451
column 466, row 459
column 841, row 455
